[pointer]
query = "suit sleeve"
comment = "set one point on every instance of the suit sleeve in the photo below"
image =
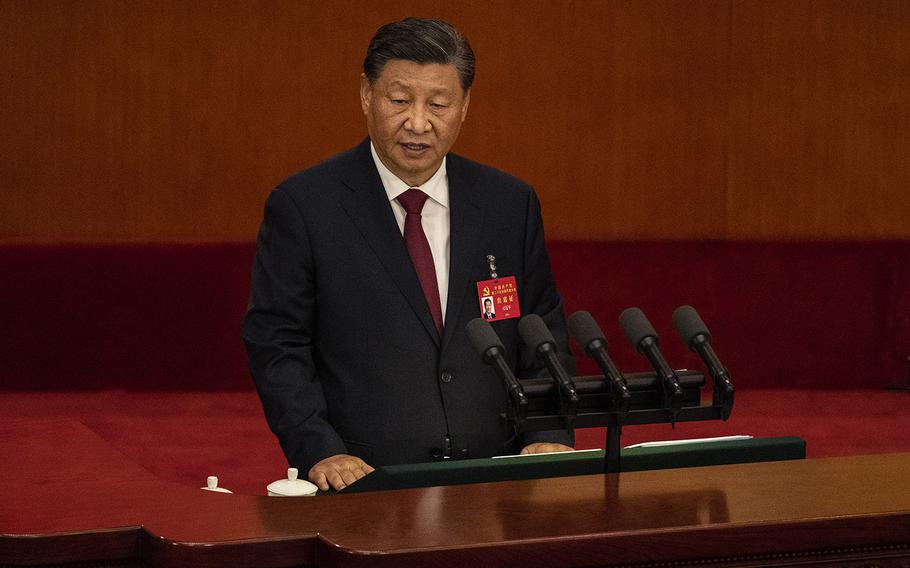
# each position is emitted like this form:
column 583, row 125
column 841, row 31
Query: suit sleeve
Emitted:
column 279, row 333
column 542, row 298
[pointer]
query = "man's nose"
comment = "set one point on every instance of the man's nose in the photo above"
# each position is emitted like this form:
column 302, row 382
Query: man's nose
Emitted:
column 418, row 120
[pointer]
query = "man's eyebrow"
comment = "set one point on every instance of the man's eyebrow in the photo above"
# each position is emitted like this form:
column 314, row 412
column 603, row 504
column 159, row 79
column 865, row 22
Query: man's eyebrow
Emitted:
column 407, row 87
column 397, row 83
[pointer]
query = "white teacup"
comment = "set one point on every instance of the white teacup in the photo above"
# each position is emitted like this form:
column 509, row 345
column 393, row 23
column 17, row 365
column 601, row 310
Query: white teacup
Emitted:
column 291, row 487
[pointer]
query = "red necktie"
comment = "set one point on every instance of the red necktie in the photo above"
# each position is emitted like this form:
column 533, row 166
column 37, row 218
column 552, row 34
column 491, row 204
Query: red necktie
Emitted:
column 419, row 248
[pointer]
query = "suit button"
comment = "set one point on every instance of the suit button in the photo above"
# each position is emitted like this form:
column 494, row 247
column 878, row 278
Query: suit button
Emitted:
column 447, row 377
column 436, row 453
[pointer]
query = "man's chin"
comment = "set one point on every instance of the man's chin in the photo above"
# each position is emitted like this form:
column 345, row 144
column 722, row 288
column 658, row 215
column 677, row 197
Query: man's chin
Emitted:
column 421, row 170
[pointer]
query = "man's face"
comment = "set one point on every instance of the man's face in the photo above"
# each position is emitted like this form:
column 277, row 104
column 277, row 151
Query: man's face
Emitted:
column 414, row 113
column 488, row 306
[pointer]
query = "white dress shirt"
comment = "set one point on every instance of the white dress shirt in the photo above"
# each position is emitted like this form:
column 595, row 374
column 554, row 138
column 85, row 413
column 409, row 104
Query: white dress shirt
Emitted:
column 434, row 217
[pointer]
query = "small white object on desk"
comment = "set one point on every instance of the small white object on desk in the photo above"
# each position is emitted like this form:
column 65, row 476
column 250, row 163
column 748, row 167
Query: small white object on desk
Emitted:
column 211, row 484
column 690, row 441
column 291, row 487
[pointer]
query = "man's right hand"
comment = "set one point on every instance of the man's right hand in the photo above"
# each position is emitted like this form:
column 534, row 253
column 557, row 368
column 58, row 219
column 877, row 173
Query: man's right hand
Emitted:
column 339, row 471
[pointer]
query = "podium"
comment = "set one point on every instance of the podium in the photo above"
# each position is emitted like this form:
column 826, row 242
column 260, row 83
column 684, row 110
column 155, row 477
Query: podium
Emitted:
column 107, row 511
column 509, row 468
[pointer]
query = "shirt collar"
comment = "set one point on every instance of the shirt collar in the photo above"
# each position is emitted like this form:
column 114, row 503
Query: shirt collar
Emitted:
column 435, row 187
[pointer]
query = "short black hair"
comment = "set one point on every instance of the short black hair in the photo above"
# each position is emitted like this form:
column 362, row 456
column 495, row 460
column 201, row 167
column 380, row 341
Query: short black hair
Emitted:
column 422, row 41
column 485, row 300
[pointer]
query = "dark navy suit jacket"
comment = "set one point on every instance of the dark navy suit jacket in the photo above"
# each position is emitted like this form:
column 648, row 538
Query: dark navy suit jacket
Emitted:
column 342, row 347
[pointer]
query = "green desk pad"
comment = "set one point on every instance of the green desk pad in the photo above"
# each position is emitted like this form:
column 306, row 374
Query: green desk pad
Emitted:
column 457, row 472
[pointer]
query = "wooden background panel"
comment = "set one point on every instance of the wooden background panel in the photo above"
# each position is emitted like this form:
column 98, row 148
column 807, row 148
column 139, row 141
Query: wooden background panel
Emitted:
column 820, row 119
column 615, row 112
column 170, row 121
column 166, row 121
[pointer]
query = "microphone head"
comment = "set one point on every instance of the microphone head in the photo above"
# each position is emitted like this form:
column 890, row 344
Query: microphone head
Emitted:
column 584, row 329
column 689, row 325
column 482, row 336
column 636, row 327
column 534, row 331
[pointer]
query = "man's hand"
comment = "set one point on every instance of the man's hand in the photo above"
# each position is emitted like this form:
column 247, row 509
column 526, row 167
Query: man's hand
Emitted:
column 545, row 448
column 339, row 471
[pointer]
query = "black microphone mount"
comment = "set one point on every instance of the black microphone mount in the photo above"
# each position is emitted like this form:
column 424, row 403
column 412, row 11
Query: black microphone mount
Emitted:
column 585, row 331
column 643, row 338
column 537, row 336
column 487, row 343
column 694, row 333
column 613, row 399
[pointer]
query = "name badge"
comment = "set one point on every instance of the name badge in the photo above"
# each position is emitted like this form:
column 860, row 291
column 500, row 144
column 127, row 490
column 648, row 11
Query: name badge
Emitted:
column 498, row 299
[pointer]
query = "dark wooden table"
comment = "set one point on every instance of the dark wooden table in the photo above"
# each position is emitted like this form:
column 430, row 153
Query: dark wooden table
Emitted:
column 67, row 496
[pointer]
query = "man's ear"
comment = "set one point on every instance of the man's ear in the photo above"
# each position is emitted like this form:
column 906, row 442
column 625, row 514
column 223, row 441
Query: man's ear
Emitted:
column 366, row 93
column 464, row 107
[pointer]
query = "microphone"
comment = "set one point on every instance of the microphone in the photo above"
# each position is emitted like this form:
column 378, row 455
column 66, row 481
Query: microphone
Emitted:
column 535, row 334
column 694, row 333
column 643, row 338
column 490, row 348
column 585, row 331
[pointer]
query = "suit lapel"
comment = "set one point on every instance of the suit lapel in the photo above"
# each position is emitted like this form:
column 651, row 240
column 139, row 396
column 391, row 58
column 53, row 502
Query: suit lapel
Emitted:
column 465, row 221
column 367, row 204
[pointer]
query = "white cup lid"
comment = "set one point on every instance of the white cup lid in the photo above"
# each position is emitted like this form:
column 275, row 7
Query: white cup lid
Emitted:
column 292, row 487
column 211, row 484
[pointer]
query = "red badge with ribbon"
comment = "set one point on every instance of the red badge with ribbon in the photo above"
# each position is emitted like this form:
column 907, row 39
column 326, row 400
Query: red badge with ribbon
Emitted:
column 497, row 298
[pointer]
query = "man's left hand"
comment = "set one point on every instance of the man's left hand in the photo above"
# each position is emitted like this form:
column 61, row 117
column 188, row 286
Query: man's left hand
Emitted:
column 545, row 448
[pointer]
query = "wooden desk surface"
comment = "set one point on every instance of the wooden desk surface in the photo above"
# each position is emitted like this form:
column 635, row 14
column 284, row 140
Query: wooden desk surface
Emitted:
column 68, row 496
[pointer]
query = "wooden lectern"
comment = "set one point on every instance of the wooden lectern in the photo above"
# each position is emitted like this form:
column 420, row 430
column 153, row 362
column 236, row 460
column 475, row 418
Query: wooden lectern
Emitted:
column 68, row 497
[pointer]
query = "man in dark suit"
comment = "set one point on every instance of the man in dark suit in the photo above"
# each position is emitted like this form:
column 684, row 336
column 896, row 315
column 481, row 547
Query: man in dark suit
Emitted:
column 488, row 312
column 366, row 274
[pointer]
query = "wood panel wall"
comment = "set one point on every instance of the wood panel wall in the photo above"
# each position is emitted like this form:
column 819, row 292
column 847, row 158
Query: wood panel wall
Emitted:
column 170, row 120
